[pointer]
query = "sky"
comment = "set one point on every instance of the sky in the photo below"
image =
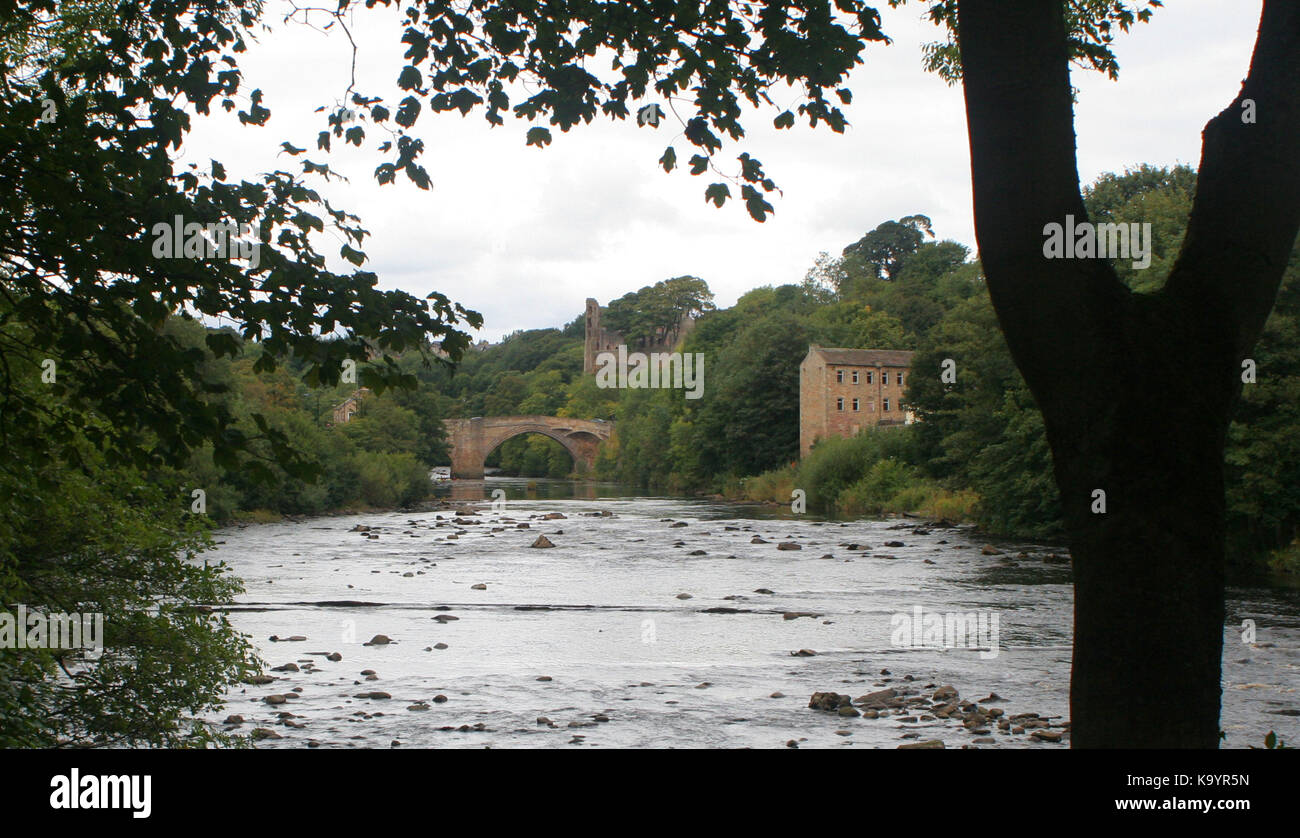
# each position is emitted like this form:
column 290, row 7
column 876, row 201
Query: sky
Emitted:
column 524, row 235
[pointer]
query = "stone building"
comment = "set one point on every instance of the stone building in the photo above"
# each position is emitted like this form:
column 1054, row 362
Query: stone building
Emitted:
column 842, row 391
column 599, row 339
column 346, row 409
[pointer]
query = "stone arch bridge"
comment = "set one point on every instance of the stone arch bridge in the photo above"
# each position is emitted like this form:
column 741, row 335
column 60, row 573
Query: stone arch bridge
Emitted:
column 473, row 439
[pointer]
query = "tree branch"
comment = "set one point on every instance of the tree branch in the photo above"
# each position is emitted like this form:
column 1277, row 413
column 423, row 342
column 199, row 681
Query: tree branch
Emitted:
column 1247, row 208
column 1060, row 316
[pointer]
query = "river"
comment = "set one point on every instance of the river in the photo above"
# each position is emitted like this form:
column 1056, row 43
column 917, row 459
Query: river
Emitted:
column 659, row 622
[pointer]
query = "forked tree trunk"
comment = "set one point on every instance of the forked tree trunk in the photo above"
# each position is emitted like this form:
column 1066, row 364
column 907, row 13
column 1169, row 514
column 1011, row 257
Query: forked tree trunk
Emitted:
column 1136, row 390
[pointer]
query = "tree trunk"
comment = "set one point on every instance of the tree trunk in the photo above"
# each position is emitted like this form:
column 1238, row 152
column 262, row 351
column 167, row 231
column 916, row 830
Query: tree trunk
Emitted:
column 1136, row 390
column 1148, row 554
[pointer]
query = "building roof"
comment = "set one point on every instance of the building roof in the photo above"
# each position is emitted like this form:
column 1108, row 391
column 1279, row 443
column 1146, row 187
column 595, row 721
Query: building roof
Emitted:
column 864, row 357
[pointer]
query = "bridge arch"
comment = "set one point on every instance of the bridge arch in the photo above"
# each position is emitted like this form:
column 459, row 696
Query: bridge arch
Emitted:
column 473, row 439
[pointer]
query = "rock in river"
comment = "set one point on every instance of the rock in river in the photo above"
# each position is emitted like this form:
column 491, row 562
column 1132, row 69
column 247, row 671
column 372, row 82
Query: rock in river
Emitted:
column 830, row 701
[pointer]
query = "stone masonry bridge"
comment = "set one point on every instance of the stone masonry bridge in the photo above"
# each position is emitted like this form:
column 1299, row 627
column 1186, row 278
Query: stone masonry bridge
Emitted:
column 473, row 439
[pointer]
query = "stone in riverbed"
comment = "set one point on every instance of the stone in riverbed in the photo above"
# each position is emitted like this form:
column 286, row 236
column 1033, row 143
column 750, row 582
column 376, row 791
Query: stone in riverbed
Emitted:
column 794, row 615
column 927, row 744
column 378, row 695
column 334, row 656
column 234, row 720
column 684, row 596
column 542, row 541
column 481, row 586
column 788, row 545
column 945, row 693
column 288, row 667
column 274, row 699
column 879, row 699
column 803, row 653
column 829, row 701
column 379, row 640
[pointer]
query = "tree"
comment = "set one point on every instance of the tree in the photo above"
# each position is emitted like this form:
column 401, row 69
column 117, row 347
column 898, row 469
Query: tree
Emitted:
column 101, row 393
column 1136, row 390
column 90, row 198
column 883, row 250
column 648, row 316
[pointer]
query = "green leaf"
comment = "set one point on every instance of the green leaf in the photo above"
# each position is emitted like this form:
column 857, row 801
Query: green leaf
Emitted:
column 669, row 160
column 538, row 136
column 356, row 257
column 718, row 193
column 649, row 115
column 407, row 112
column 410, row 78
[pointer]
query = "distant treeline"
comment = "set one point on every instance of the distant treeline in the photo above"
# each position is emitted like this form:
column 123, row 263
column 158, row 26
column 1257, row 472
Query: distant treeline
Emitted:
column 979, row 452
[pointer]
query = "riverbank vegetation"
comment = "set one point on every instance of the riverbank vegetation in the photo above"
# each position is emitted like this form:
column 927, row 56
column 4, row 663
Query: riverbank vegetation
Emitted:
column 979, row 452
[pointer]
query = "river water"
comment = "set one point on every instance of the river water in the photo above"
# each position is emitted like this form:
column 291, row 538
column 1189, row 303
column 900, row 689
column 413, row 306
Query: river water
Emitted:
column 658, row 622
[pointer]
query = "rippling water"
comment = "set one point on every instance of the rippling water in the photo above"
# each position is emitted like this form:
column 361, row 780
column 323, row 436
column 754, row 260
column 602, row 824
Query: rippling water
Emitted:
column 632, row 663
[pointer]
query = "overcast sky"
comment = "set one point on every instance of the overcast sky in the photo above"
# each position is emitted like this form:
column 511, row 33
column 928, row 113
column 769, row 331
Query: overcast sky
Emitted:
column 524, row 236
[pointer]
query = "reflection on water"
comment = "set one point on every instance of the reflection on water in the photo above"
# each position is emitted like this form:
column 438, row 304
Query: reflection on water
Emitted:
column 659, row 621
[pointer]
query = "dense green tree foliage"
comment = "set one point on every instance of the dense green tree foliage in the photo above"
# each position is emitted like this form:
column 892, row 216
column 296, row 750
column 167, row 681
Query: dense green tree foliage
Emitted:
column 648, row 316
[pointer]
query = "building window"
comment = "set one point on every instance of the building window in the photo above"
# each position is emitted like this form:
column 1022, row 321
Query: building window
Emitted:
column 839, row 404
column 839, row 376
column 900, row 379
column 871, row 377
column 855, row 376
column 886, row 404
column 855, row 405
